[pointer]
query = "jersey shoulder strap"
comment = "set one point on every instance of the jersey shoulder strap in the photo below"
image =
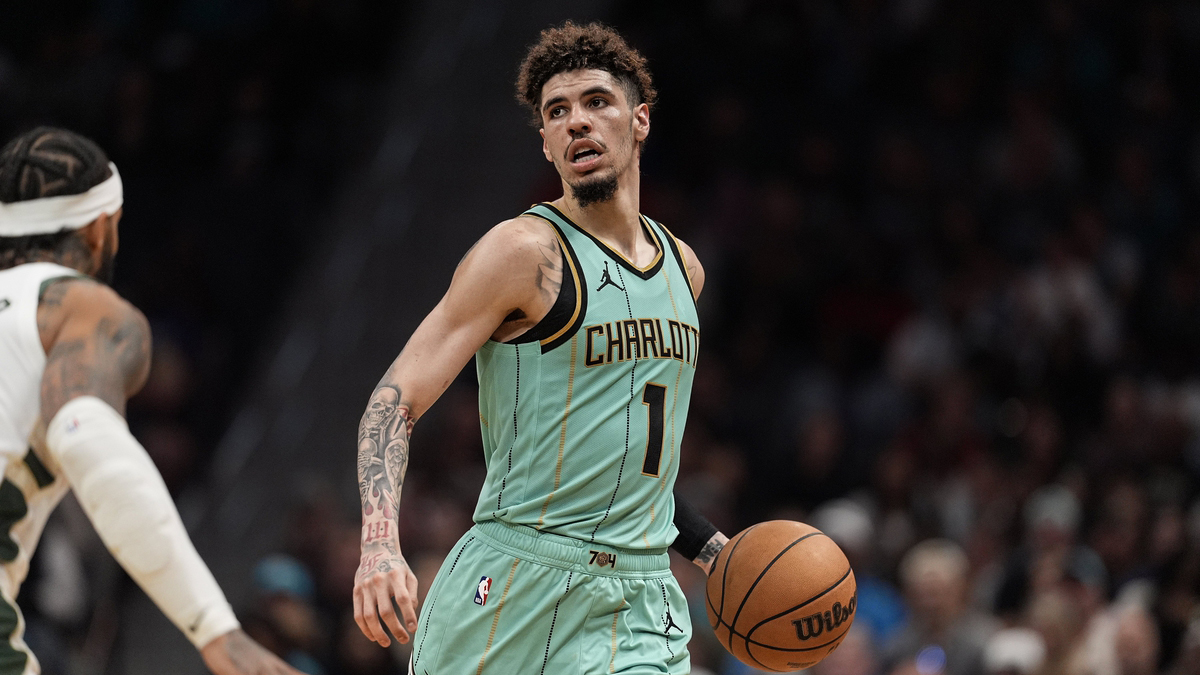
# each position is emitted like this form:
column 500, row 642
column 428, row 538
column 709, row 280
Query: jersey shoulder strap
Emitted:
column 676, row 252
column 566, row 315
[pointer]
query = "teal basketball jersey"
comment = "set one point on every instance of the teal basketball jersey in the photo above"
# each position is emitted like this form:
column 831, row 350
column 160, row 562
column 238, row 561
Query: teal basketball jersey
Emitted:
column 583, row 415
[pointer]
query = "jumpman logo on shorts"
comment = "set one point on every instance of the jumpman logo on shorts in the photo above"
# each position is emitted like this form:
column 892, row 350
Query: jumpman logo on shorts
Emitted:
column 670, row 622
column 606, row 279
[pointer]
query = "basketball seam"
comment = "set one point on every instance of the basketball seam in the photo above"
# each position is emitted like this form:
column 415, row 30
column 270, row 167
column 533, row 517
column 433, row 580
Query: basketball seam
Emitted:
column 814, row 598
column 810, row 600
column 724, row 579
column 725, row 573
column 756, row 643
column 763, row 573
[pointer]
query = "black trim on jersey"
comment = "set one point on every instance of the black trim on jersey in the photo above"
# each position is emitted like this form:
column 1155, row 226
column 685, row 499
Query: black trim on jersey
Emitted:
column 565, row 306
column 613, row 254
column 41, row 474
column 678, row 258
column 560, row 313
column 62, row 277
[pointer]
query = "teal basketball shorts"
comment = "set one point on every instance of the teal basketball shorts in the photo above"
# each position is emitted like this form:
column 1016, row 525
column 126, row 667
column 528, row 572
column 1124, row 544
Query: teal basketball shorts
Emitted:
column 509, row 599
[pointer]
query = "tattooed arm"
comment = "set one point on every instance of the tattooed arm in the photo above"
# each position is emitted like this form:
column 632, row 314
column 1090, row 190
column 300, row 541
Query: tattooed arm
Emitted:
column 96, row 345
column 504, row 285
column 99, row 345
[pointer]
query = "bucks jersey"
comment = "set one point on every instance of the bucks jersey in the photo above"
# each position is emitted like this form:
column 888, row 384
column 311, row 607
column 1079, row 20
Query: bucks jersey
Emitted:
column 583, row 415
column 30, row 488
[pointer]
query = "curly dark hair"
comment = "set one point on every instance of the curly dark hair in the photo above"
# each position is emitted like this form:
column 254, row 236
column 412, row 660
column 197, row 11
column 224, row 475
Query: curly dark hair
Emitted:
column 573, row 47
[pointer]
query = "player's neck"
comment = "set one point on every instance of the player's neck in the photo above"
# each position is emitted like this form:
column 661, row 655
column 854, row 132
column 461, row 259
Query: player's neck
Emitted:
column 76, row 260
column 615, row 221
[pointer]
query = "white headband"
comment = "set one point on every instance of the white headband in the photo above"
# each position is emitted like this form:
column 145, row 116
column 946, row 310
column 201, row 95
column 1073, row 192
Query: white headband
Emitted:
column 54, row 214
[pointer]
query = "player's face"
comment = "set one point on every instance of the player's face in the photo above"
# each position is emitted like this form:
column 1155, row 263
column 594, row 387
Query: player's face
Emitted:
column 589, row 129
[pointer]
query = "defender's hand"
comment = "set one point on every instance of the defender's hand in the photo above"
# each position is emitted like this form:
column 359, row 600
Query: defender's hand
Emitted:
column 234, row 653
column 383, row 576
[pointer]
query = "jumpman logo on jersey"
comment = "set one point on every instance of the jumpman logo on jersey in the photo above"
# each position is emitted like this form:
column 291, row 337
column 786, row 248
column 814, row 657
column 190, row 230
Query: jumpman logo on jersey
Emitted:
column 606, row 280
column 670, row 623
column 4, row 304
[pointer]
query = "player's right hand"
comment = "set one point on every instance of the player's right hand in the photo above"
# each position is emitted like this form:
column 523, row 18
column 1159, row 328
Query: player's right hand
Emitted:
column 234, row 653
column 384, row 576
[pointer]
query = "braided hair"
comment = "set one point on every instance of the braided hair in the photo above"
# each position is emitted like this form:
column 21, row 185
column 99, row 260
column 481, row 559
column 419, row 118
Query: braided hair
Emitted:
column 47, row 162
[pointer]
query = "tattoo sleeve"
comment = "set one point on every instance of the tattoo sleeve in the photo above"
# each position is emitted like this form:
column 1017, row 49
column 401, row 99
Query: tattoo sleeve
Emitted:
column 104, row 359
column 382, row 461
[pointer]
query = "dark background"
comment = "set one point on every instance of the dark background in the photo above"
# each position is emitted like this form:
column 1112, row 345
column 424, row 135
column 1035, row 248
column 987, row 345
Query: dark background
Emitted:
column 953, row 293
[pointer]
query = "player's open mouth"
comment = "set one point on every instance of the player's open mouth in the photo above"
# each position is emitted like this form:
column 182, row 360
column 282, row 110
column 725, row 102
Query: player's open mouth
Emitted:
column 585, row 155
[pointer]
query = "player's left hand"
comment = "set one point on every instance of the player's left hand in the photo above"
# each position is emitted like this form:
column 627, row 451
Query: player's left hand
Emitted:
column 708, row 556
column 384, row 576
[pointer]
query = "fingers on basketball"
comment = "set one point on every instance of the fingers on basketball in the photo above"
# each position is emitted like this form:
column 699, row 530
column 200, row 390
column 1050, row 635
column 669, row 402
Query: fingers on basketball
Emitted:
column 781, row 596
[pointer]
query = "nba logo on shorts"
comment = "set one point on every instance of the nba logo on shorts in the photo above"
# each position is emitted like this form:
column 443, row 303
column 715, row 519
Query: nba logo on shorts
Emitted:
column 481, row 593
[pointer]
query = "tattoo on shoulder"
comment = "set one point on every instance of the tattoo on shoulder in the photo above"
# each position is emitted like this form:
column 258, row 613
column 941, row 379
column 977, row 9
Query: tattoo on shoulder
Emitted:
column 50, row 299
column 383, row 436
column 54, row 290
column 550, row 270
column 101, row 364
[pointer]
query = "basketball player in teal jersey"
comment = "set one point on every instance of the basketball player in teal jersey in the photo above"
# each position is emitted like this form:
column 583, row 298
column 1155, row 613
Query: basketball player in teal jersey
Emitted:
column 581, row 314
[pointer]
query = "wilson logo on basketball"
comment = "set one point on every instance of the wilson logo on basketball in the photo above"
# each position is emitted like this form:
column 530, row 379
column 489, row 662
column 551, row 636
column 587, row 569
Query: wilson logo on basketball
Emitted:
column 825, row 622
column 604, row 559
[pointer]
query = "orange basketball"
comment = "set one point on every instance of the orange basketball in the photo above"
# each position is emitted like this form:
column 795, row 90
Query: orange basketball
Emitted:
column 781, row 596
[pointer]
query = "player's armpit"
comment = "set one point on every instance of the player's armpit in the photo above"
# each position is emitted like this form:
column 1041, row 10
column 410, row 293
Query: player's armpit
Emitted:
column 97, row 344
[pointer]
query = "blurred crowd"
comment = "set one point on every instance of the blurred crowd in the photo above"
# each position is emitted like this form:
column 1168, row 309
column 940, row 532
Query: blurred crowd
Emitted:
column 951, row 317
column 952, row 313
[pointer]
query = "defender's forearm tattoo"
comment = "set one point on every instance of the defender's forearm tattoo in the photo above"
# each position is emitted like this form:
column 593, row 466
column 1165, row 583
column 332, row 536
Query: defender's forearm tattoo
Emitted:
column 382, row 457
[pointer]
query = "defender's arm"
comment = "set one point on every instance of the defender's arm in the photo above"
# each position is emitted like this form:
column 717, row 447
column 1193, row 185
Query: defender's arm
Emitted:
column 97, row 354
column 504, row 284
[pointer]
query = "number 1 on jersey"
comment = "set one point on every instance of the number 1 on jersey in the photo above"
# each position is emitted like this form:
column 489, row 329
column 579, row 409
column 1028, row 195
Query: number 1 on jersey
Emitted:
column 655, row 398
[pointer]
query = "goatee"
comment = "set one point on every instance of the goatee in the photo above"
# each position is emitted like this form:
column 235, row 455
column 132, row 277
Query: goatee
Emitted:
column 595, row 191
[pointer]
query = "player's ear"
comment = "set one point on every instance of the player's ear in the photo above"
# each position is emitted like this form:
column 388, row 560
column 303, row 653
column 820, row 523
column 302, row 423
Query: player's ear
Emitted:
column 545, row 148
column 97, row 233
column 641, row 122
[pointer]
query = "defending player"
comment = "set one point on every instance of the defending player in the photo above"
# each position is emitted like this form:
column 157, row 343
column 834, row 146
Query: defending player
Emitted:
column 71, row 352
column 581, row 314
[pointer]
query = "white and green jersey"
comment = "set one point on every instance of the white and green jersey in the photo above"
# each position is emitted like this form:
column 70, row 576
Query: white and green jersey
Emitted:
column 31, row 487
column 583, row 415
